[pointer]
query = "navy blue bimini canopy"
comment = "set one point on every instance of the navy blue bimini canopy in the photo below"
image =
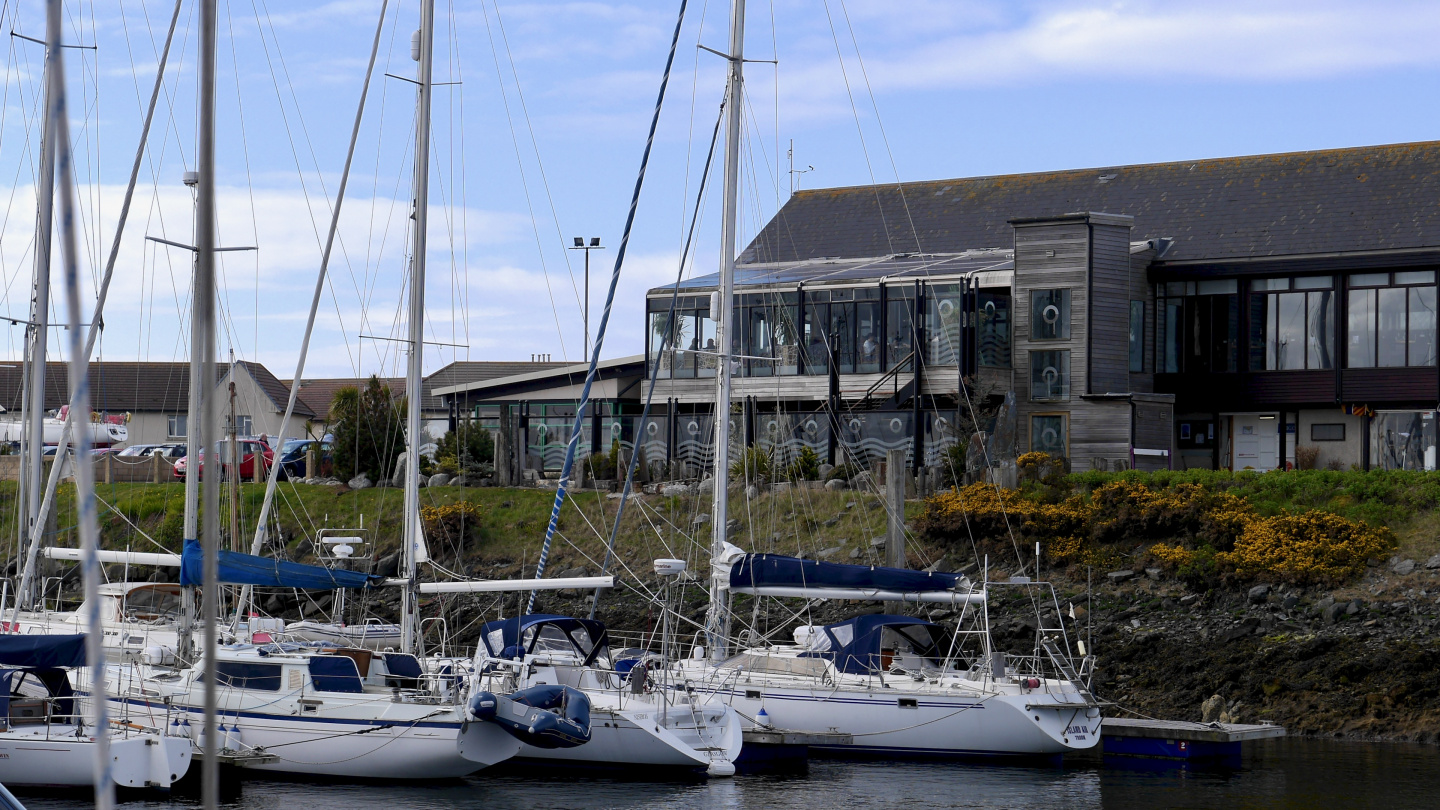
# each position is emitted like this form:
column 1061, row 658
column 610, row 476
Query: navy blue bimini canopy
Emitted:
column 867, row 644
column 773, row 570
column 248, row 569
column 55, row 681
column 42, row 651
column 518, row 637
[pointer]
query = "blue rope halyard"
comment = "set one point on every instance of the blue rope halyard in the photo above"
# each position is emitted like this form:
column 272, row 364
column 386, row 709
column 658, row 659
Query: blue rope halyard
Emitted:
column 566, row 469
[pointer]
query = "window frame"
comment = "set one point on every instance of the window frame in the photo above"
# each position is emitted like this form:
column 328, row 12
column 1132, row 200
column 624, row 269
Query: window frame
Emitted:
column 1315, row 438
column 1371, row 287
column 1063, row 356
column 1064, row 418
column 1064, row 313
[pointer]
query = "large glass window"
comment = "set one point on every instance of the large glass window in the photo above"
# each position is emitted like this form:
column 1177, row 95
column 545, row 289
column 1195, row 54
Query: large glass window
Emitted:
column 942, row 324
column 868, row 334
column 1049, row 314
column 691, row 334
column 1137, row 336
column 1197, row 325
column 1403, row 440
column 1391, row 320
column 842, row 329
column 1292, row 324
column 899, row 326
column 1047, row 435
column 992, row 331
column 1050, row 376
column 814, row 339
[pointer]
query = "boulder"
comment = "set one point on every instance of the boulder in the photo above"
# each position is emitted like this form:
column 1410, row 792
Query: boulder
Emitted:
column 828, row 552
column 1119, row 576
column 389, row 565
column 1332, row 612
column 855, row 553
column 1433, row 563
column 1189, row 599
column 830, row 521
column 360, row 481
column 1258, row 594
column 836, row 485
column 673, row 490
column 752, row 492
column 825, row 470
column 1289, row 602
column 1153, row 573
column 458, row 481
column 706, row 487
column 701, row 519
column 1403, row 567
column 439, row 480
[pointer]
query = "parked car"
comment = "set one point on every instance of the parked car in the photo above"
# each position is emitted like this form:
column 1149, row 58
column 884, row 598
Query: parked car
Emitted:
column 292, row 458
column 249, row 448
column 138, row 450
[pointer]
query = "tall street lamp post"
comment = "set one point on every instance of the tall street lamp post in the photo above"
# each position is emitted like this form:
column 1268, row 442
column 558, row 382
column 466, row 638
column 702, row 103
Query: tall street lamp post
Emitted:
column 580, row 245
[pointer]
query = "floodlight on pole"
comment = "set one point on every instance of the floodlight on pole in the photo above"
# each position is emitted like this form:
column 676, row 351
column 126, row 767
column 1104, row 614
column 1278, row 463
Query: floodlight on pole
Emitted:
column 580, row 245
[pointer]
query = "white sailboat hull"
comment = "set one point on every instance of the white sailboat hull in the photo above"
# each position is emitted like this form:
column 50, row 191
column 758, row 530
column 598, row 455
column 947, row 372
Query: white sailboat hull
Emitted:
column 58, row 758
column 907, row 724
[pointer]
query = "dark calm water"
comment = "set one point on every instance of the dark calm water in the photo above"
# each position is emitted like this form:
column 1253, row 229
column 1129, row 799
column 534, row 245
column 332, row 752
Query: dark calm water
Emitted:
column 1289, row 773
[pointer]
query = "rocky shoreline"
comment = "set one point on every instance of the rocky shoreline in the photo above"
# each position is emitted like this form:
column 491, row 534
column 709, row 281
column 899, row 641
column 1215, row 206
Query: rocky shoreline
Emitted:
column 1359, row 662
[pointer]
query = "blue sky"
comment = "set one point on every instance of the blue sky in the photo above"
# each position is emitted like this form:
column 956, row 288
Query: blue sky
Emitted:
column 961, row 88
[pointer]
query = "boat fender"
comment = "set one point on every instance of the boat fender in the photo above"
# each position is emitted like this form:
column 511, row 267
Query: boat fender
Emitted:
column 763, row 718
column 720, row 768
column 1030, row 683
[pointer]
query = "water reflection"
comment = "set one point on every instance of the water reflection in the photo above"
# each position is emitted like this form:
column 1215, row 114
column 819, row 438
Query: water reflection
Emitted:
column 1287, row 773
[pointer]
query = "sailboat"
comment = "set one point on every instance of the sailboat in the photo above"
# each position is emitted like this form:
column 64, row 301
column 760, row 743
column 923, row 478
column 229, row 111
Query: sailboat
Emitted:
column 46, row 742
column 637, row 718
column 900, row 686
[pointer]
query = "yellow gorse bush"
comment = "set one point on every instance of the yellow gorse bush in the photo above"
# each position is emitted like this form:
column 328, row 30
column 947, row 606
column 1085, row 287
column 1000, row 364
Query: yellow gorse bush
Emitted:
column 1313, row 547
column 1233, row 539
column 452, row 521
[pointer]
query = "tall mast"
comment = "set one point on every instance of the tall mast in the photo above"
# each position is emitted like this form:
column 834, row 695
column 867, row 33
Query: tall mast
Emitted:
column 718, row 618
column 424, row 54
column 191, row 527
column 203, row 304
column 40, row 313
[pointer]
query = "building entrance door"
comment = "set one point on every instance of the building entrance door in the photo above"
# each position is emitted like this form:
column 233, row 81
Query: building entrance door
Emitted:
column 1255, row 441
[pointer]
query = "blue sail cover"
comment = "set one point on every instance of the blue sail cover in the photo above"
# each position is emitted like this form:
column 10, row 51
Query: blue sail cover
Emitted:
column 773, row 570
column 42, row 651
column 859, row 645
column 248, row 569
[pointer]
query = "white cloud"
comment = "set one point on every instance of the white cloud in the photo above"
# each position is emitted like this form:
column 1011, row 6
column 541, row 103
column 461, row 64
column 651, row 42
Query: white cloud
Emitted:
column 1139, row 41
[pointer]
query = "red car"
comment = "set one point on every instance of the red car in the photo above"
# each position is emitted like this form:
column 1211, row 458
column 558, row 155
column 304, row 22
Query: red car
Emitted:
column 249, row 448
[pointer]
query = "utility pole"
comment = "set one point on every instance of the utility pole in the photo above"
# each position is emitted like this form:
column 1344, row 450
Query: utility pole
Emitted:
column 580, row 245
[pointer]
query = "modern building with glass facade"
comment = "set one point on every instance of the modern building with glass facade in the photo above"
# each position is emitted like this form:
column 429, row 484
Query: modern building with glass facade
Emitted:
column 1252, row 312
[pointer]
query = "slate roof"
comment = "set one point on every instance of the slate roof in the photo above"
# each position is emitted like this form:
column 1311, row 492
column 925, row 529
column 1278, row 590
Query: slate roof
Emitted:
column 1336, row 200
column 125, row 386
column 320, row 392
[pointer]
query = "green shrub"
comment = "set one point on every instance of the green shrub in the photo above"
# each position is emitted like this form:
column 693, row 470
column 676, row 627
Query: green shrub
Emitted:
column 753, row 466
column 805, row 467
